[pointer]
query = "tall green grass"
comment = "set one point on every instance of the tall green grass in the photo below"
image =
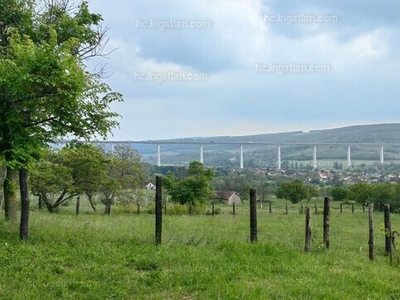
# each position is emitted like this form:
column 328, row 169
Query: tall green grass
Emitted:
column 92, row 256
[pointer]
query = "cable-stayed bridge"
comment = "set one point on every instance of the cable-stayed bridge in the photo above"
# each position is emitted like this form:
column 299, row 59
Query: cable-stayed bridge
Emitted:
column 241, row 145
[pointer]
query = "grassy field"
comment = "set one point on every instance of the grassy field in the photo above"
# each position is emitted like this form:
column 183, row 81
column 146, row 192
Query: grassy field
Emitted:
column 92, row 256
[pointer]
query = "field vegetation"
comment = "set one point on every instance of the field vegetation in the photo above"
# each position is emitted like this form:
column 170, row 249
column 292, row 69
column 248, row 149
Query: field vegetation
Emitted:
column 96, row 256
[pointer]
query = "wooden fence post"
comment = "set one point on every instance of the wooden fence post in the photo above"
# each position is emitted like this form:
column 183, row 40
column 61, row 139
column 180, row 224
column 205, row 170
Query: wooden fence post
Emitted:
column 301, row 208
column 316, row 209
column 253, row 216
column 352, row 208
column 341, row 207
column 190, row 208
column 158, row 210
column 78, row 204
column 233, row 208
column 287, row 209
column 388, row 231
column 138, row 207
column 326, row 221
column 212, row 208
column 308, row 230
column 371, row 231
column 270, row 207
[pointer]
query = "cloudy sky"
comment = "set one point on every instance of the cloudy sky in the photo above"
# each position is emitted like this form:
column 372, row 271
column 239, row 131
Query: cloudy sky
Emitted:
column 190, row 68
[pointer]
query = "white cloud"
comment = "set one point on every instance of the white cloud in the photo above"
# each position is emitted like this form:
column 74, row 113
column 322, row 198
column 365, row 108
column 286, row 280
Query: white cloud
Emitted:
column 368, row 46
column 362, row 70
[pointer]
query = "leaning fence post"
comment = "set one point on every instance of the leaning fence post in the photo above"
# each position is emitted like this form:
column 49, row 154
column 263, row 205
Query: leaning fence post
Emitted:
column 158, row 209
column 308, row 230
column 326, row 221
column 388, row 231
column 253, row 216
column 371, row 231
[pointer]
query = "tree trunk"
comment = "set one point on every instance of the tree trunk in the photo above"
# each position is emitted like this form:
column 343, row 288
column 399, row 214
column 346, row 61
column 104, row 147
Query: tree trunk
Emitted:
column 108, row 207
column 90, row 198
column 49, row 206
column 24, row 225
column 40, row 204
column 10, row 194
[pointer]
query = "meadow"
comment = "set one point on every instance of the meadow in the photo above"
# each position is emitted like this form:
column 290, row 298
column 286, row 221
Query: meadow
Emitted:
column 93, row 256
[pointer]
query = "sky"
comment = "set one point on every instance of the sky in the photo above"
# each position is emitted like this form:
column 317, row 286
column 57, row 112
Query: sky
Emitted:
column 199, row 68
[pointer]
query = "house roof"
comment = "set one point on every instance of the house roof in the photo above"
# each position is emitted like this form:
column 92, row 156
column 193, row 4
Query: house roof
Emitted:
column 225, row 195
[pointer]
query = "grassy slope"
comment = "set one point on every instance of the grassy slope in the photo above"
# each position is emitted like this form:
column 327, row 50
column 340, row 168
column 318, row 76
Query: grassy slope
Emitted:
column 203, row 257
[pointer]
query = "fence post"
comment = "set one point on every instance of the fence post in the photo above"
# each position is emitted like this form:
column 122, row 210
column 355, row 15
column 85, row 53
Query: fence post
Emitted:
column 270, row 207
column 388, row 231
column 341, row 207
column 212, row 208
column 78, row 204
column 316, row 209
column 371, row 231
column 190, row 208
column 352, row 208
column 158, row 209
column 363, row 207
column 233, row 208
column 253, row 216
column 326, row 221
column 287, row 209
column 301, row 208
column 138, row 207
column 308, row 230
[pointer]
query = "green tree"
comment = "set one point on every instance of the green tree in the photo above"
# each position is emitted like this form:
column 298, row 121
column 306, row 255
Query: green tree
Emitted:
column 126, row 175
column 194, row 188
column 46, row 93
column 360, row 192
column 384, row 193
column 52, row 180
column 339, row 193
column 294, row 191
column 88, row 164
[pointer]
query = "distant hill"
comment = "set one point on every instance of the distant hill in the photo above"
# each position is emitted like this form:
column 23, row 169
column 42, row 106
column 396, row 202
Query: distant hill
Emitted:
column 263, row 155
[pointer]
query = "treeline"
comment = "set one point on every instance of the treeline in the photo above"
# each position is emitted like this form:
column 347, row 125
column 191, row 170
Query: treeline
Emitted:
column 362, row 192
column 83, row 169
